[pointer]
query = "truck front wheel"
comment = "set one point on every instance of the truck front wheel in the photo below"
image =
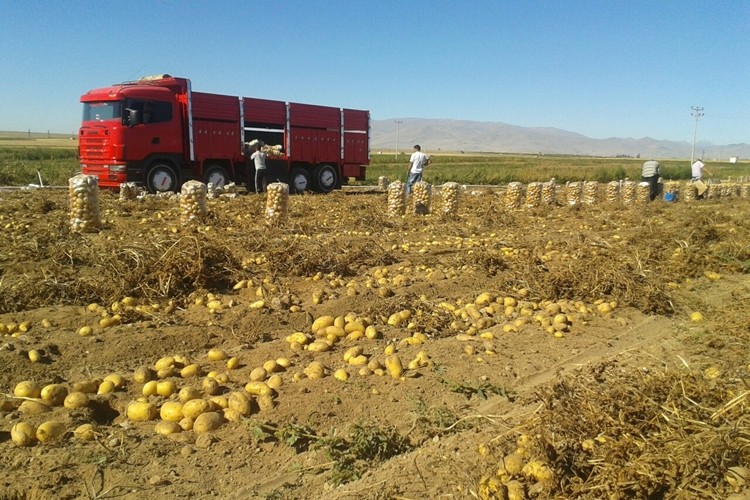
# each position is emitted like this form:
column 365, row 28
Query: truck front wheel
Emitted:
column 161, row 178
column 216, row 175
column 299, row 180
column 325, row 178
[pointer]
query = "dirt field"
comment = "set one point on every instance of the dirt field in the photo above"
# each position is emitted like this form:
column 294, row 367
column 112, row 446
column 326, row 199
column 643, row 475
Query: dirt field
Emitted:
column 546, row 353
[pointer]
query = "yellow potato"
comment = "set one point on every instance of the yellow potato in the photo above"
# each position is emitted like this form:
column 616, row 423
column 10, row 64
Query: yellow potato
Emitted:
column 149, row 388
column 143, row 374
column 171, row 411
column 207, row 422
column 87, row 386
column 258, row 388
column 50, row 431
column 85, row 432
column 23, row 434
column 167, row 427
column 322, row 322
column 165, row 362
column 54, row 394
column 106, row 387
column 258, row 374
column 240, row 403
column 271, row 366
column 190, row 370
column 233, row 363
column 76, row 400
column 195, row 407
column 188, row 393
column 266, row 402
column 274, row 381
column 341, row 375
column 395, row 368
column 352, row 352
column 210, row 386
column 33, row 407
column 217, row 355
column 315, row 370
column 116, row 379
column 139, row 411
column 34, row 356
column 27, row 389
column 166, row 388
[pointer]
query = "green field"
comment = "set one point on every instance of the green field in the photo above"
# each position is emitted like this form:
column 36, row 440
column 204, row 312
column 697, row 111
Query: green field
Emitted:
column 24, row 157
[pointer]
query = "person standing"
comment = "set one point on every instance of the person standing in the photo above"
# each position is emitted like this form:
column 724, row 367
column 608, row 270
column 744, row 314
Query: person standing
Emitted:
column 697, row 169
column 696, row 172
column 259, row 160
column 650, row 173
column 417, row 161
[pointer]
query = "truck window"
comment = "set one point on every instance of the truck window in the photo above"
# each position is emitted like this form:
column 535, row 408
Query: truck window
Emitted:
column 147, row 111
column 100, row 111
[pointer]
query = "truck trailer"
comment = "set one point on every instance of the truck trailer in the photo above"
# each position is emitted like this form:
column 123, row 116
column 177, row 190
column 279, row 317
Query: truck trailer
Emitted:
column 159, row 133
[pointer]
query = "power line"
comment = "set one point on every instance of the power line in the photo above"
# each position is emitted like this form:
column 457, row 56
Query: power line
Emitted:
column 697, row 113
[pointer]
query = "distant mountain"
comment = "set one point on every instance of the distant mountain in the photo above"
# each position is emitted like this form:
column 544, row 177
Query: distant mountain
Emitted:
column 470, row 136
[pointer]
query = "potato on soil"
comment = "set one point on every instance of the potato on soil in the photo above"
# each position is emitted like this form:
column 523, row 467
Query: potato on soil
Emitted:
column 85, row 432
column 139, row 411
column 23, row 434
column 76, row 400
column 207, row 422
column 167, row 427
column 171, row 411
column 195, row 407
column 27, row 389
column 49, row 431
column 54, row 394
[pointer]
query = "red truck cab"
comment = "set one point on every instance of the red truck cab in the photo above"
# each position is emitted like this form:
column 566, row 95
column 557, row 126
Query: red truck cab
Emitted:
column 158, row 133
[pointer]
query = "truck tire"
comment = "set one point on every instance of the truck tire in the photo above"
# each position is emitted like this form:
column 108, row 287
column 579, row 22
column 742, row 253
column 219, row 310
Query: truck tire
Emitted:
column 217, row 175
column 161, row 178
column 299, row 180
column 325, row 178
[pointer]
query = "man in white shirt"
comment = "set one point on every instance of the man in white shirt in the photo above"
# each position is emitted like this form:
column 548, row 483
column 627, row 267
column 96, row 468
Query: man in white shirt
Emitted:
column 696, row 172
column 417, row 162
column 650, row 173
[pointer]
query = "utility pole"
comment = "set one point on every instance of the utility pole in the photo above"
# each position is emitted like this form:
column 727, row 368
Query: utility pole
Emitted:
column 697, row 113
column 398, row 126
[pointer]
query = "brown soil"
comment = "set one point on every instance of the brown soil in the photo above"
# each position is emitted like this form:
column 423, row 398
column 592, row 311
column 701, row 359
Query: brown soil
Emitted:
column 639, row 402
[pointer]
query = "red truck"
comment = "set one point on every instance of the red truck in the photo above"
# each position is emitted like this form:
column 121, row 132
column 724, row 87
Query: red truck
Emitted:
column 158, row 133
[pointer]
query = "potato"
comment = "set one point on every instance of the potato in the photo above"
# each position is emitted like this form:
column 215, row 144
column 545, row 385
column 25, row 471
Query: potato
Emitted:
column 258, row 374
column 34, row 356
column 166, row 388
column 149, row 388
column 195, row 407
column 190, row 370
column 139, row 411
column 217, row 355
column 319, row 346
column 240, row 403
column 33, row 407
column 284, row 363
column 322, row 322
column 341, row 375
column 352, row 352
column 27, row 389
column 76, row 400
column 54, row 394
column 274, row 381
column 188, row 393
column 85, row 331
column 167, row 427
column 233, row 363
column 87, row 386
column 85, row 432
column 23, row 434
column 171, row 411
column 49, row 431
column 266, row 402
column 395, row 368
column 143, row 374
column 186, row 424
column 271, row 366
column 258, row 388
column 164, row 362
column 218, row 402
column 207, row 422
column 210, row 386
column 314, row 370
column 106, row 387
column 166, row 372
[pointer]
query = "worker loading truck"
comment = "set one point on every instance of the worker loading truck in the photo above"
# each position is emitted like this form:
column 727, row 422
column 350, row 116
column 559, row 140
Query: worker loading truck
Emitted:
column 158, row 133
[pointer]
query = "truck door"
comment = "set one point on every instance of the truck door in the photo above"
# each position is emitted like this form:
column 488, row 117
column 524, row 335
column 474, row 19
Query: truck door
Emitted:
column 152, row 129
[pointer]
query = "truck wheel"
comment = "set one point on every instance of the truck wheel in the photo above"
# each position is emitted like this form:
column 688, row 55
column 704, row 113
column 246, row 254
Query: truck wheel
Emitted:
column 325, row 178
column 216, row 175
column 299, row 180
column 161, row 178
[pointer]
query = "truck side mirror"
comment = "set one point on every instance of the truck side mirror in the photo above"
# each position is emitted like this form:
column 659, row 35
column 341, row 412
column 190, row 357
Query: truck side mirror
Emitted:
column 133, row 118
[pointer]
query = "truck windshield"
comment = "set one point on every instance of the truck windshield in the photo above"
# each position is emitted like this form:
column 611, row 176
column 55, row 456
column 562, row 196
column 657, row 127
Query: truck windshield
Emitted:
column 100, row 111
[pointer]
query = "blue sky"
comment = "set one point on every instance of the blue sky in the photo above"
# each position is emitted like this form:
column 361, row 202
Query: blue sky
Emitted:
column 627, row 68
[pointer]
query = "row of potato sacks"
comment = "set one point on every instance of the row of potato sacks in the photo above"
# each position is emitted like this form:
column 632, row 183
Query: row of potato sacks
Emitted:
column 420, row 201
column 83, row 199
column 614, row 192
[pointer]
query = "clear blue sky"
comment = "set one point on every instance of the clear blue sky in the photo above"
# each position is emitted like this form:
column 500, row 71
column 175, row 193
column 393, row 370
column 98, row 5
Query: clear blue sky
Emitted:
column 602, row 68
